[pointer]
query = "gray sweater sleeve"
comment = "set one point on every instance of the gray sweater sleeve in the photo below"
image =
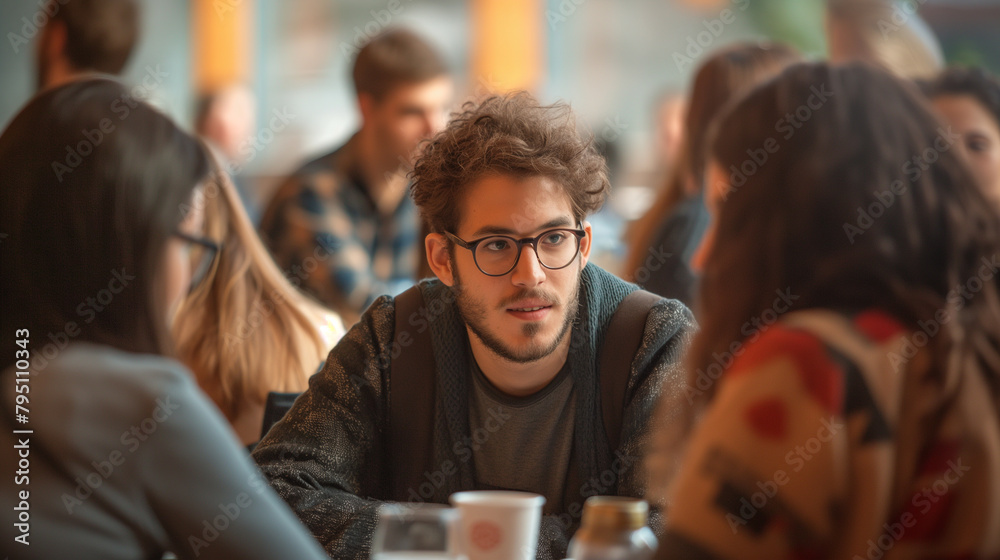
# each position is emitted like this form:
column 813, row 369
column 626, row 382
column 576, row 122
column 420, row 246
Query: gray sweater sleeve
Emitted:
column 154, row 464
column 209, row 496
column 658, row 368
column 323, row 457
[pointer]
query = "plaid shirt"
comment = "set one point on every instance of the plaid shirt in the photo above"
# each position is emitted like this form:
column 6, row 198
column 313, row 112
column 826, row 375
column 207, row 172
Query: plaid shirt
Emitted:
column 327, row 235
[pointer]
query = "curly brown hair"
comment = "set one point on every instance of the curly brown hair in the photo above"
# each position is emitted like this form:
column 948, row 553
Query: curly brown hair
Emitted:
column 509, row 134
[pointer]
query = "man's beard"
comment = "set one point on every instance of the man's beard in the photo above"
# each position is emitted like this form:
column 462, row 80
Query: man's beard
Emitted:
column 474, row 314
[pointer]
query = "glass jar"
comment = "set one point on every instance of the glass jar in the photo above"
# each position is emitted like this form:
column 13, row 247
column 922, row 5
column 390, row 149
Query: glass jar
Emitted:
column 613, row 528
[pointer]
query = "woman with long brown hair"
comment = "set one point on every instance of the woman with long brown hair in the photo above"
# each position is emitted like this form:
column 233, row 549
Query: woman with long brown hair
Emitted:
column 676, row 221
column 844, row 386
column 245, row 330
column 122, row 455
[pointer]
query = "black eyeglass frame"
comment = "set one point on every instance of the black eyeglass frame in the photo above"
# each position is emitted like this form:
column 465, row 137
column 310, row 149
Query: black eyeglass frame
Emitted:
column 520, row 243
column 214, row 249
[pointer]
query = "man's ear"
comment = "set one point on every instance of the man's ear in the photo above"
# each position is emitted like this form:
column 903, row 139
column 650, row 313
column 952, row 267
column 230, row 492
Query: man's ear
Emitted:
column 366, row 105
column 54, row 39
column 52, row 46
column 585, row 243
column 439, row 258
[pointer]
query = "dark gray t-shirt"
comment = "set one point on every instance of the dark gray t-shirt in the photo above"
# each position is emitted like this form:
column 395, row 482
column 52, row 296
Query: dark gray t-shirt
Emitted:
column 523, row 443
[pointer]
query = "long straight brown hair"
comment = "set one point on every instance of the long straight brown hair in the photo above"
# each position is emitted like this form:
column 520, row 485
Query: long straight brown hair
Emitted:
column 94, row 183
column 726, row 74
column 820, row 217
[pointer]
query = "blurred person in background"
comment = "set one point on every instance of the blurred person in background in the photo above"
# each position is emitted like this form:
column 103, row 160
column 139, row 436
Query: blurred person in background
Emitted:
column 511, row 340
column 883, row 32
column 968, row 100
column 665, row 239
column 128, row 458
column 349, row 209
column 856, row 413
column 85, row 36
column 670, row 126
column 226, row 119
column 244, row 330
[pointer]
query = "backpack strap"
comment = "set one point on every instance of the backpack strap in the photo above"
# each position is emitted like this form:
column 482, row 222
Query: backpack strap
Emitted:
column 412, row 382
column 621, row 343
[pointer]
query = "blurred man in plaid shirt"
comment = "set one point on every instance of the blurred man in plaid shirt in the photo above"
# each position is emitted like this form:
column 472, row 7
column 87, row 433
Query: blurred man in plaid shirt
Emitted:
column 343, row 226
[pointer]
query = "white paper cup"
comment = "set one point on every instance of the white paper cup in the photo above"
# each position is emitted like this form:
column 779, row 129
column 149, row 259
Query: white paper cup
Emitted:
column 498, row 525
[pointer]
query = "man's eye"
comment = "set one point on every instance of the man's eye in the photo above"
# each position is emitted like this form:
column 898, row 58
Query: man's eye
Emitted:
column 554, row 238
column 977, row 145
column 497, row 244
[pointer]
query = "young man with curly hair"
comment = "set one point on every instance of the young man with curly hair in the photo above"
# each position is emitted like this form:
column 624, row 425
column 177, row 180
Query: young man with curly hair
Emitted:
column 508, row 371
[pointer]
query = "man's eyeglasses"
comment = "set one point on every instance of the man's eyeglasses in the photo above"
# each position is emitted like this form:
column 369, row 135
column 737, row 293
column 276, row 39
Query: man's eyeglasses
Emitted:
column 497, row 255
column 202, row 253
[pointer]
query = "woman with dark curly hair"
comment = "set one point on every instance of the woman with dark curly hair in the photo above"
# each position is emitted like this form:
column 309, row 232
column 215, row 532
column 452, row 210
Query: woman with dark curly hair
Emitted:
column 968, row 100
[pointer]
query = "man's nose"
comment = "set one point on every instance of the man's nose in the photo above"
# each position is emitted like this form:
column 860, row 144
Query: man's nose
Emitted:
column 528, row 271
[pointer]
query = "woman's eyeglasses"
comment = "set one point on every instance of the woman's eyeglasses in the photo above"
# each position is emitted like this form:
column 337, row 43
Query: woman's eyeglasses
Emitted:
column 202, row 253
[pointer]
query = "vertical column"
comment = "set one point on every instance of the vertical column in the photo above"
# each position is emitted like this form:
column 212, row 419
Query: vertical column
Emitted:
column 223, row 42
column 508, row 42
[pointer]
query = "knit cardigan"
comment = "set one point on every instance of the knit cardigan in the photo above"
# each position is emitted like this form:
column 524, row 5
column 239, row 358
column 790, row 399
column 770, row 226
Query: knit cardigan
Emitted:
column 326, row 457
